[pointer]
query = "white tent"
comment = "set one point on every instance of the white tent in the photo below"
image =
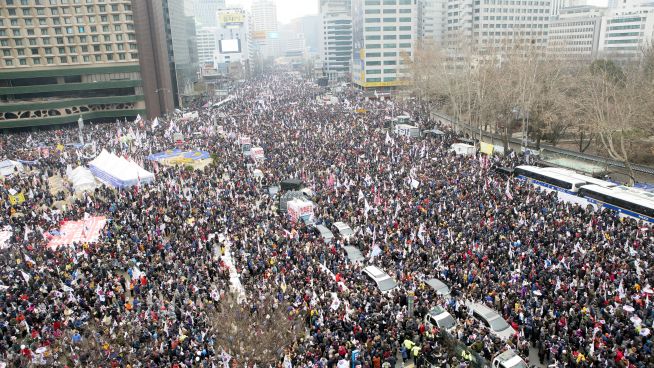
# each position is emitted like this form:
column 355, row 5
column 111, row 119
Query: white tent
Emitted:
column 7, row 167
column 118, row 172
column 82, row 179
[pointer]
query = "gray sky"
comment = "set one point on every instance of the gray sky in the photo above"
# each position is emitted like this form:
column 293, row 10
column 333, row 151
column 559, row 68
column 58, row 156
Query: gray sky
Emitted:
column 286, row 9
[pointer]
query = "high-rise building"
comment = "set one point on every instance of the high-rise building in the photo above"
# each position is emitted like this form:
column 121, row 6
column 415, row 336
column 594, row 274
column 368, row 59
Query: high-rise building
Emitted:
column 384, row 35
column 574, row 33
column 206, row 43
column 264, row 29
column 169, row 62
column 496, row 23
column 432, row 20
column 292, row 41
column 63, row 60
column 626, row 31
column 336, row 38
column 232, row 55
column 205, row 11
column 309, row 26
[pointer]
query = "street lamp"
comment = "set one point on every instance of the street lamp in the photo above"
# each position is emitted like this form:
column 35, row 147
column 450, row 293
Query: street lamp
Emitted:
column 80, row 126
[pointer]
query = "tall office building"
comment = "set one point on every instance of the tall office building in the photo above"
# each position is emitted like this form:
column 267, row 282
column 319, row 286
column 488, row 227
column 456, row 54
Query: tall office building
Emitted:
column 626, row 31
column 309, row 26
column 497, row 23
column 574, row 33
column 336, row 38
column 384, row 36
column 232, row 54
column 169, row 61
column 62, row 60
column 432, row 20
column 206, row 44
column 264, row 29
column 205, row 11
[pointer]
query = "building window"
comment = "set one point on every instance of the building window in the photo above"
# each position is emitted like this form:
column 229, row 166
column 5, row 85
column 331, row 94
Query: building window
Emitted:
column 9, row 62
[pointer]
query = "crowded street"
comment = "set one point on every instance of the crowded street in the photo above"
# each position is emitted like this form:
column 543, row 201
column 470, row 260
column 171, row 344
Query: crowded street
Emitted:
column 572, row 283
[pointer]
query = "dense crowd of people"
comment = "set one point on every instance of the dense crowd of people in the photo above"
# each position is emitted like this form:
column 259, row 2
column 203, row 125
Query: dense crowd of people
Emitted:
column 574, row 283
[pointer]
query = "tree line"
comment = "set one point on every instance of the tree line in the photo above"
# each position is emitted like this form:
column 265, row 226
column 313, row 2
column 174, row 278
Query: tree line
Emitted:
column 600, row 106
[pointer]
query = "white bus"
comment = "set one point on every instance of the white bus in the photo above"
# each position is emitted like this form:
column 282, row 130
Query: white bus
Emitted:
column 576, row 175
column 623, row 201
column 565, row 186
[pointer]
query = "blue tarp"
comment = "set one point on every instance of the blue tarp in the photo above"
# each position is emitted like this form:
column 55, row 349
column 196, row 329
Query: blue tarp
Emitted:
column 177, row 153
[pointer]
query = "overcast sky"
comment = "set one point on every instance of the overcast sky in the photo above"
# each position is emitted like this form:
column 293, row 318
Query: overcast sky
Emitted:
column 286, row 9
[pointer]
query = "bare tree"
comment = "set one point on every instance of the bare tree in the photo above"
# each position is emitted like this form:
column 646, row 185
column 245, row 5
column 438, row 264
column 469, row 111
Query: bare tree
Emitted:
column 254, row 333
column 618, row 105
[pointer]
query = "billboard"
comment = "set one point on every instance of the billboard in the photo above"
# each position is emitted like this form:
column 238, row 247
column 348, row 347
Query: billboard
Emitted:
column 259, row 35
column 228, row 20
column 229, row 46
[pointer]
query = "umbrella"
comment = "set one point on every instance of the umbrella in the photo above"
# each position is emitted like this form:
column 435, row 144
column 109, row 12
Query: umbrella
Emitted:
column 628, row 308
column 636, row 320
column 537, row 293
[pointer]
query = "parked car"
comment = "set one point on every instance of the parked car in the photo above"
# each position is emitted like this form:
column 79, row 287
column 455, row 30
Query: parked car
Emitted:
column 344, row 230
column 509, row 359
column 439, row 287
column 354, row 254
column 384, row 282
column 492, row 319
column 440, row 318
column 325, row 233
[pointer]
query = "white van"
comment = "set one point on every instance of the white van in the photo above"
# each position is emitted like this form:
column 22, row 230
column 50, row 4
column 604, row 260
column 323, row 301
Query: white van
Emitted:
column 440, row 318
column 384, row 282
column 491, row 319
column 509, row 359
column 354, row 254
column 344, row 230
column 325, row 233
column 439, row 287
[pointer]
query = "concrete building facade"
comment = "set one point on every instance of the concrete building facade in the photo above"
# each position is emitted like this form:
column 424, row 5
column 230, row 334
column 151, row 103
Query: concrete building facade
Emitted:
column 574, row 34
column 232, row 54
column 336, row 38
column 62, row 60
column 264, row 29
column 205, row 11
column 432, row 20
column 206, row 42
column 626, row 31
column 494, row 23
column 384, row 36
